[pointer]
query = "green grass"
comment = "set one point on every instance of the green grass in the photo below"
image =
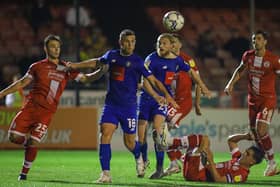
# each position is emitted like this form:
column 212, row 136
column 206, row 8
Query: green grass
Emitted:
column 81, row 168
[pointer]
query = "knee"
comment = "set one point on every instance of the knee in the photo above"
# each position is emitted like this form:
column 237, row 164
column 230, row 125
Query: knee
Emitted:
column 16, row 139
column 262, row 130
column 105, row 135
column 129, row 143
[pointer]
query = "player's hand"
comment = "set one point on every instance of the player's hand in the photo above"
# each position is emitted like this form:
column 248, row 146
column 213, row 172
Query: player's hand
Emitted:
column 228, row 89
column 71, row 65
column 206, row 92
column 160, row 100
column 171, row 101
column 250, row 136
column 197, row 110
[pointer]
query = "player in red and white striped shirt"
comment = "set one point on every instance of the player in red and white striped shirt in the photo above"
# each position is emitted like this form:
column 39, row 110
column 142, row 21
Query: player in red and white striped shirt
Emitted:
column 48, row 77
column 262, row 68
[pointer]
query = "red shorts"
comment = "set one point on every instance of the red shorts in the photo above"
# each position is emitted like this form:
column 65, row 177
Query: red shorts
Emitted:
column 262, row 110
column 32, row 119
column 174, row 116
column 193, row 169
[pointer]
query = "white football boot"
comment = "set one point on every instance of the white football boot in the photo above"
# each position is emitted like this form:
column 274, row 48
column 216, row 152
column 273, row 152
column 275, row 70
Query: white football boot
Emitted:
column 105, row 177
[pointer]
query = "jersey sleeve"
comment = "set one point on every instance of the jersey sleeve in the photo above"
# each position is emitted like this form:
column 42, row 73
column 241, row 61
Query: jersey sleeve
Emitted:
column 193, row 65
column 74, row 75
column 276, row 65
column 182, row 65
column 244, row 57
column 148, row 63
column 31, row 72
column 237, row 176
column 105, row 58
column 144, row 69
column 235, row 153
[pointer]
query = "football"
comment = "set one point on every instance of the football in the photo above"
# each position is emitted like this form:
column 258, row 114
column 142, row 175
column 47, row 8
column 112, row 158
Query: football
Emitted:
column 173, row 21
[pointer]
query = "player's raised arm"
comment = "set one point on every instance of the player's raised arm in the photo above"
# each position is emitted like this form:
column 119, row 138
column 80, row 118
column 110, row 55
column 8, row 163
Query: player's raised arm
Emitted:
column 239, row 71
column 235, row 138
column 21, row 83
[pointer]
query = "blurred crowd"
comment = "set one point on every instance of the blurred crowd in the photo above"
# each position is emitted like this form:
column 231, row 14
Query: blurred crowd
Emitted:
column 22, row 34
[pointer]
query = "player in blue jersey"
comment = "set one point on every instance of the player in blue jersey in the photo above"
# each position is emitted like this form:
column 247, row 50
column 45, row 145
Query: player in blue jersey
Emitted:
column 163, row 64
column 125, row 68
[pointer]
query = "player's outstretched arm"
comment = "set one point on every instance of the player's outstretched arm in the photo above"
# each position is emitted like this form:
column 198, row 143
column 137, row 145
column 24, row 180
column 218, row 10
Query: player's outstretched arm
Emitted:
column 237, row 74
column 200, row 83
column 212, row 168
column 90, row 63
column 19, row 84
column 235, row 138
column 90, row 77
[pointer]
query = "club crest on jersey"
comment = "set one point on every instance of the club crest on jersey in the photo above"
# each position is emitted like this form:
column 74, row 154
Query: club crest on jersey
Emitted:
column 113, row 60
column 164, row 67
column 237, row 178
column 266, row 64
column 128, row 64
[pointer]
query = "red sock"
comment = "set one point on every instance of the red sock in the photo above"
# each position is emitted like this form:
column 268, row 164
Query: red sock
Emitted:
column 267, row 146
column 178, row 154
column 30, row 155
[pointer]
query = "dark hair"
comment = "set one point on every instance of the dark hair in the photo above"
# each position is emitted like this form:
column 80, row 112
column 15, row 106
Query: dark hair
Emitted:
column 258, row 154
column 52, row 37
column 263, row 33
column 126, row 32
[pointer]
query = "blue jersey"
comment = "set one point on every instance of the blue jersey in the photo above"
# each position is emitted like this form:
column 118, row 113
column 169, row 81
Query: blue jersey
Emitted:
column 164, row 70
column 125, row 72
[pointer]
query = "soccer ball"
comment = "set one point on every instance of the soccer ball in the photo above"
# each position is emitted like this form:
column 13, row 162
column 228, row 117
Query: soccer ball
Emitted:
column 173, row 21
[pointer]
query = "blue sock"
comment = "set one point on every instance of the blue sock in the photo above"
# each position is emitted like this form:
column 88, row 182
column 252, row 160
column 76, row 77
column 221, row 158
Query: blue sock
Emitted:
column 144, row 151
column 105, row 156
column 136, row 150
column 159, row 157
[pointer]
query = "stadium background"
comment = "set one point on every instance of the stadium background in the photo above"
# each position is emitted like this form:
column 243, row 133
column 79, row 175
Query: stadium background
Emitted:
column 215, row 32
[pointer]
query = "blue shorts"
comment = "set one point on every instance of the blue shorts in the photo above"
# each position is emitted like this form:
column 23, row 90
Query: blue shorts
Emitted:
column 149, row 108
column 125, row 115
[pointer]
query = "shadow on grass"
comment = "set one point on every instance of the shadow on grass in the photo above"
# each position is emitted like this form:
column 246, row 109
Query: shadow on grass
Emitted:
column 61, row 181
column 265, row 182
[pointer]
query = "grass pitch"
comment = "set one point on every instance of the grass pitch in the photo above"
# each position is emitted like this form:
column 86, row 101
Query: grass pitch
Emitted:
column 81, row 168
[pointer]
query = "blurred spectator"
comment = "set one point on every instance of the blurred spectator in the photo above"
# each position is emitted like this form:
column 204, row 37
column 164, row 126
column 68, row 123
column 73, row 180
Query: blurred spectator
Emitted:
column 206, row 45
column 40, row 14
column 237, row 44
column 15, row 99
column 71, row 16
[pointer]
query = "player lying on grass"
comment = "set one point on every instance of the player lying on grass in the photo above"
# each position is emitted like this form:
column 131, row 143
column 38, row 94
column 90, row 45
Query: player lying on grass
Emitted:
column 199, row 164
